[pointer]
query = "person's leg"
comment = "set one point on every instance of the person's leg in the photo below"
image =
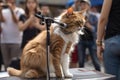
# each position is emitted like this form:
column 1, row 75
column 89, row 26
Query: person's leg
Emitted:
column 119, row 73
column 0, row 59
column 15, row 50
column 15, row 54
column 6, row 54
column 93, row 55
column 74, row 58
column 81, row 53
column 111, row 56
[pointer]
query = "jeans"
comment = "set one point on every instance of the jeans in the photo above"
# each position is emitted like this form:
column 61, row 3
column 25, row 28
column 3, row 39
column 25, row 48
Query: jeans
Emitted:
column 111, row 56
column 82, row 46
column 0, row 59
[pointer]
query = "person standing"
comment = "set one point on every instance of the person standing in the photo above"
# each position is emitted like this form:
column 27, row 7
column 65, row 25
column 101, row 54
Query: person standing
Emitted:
column 1, row 60
column 10, row 34
column 109, row 29
column 28, row 23
column 87, row 40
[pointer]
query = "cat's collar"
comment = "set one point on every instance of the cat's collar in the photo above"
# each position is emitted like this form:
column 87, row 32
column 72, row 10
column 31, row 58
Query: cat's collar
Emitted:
column 67, row 32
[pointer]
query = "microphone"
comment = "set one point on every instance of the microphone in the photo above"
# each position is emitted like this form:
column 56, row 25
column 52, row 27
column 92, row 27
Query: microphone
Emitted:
column 63, row 25
column 38, row 15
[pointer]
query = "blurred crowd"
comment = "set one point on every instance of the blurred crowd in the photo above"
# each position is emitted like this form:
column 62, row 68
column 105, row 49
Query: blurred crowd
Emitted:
column 18, row 25
column 86, row 48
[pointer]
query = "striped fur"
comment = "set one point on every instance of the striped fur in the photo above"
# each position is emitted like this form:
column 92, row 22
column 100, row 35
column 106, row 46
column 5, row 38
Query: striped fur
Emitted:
column 33, row 59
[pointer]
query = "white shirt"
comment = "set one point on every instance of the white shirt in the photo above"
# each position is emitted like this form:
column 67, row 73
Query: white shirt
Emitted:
column 10, row 31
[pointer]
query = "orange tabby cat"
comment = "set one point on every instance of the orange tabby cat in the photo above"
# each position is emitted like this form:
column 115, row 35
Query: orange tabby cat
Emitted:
column 62, row 40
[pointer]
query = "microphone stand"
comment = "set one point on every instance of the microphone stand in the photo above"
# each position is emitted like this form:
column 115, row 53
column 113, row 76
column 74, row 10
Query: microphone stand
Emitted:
column 48, row 22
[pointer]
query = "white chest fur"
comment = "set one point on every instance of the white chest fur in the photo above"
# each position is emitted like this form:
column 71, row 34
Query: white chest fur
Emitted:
column 73, row 38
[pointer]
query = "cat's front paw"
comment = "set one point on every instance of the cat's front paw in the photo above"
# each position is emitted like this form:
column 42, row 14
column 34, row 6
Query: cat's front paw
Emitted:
column 52, row 75
column 59, row 75
column 68, row 75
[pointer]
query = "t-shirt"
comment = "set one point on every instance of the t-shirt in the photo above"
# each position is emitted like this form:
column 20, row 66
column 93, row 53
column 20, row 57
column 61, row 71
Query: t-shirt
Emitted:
column 113, row 25
column 28, row 33
column 88, row 34
column 10, row 31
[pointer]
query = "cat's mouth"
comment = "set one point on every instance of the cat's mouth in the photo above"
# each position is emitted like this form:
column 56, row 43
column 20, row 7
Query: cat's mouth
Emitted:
column 81, row 31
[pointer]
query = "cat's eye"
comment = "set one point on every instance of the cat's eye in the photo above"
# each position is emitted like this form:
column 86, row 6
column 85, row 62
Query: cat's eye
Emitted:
column 79, row 22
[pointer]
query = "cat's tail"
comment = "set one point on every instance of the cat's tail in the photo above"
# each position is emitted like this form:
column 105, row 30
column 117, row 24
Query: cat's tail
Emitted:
column 13, row 72
column 27, row 74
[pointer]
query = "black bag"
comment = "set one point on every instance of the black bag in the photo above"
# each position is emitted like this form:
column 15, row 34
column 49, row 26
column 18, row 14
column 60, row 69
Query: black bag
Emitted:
column 15, row 63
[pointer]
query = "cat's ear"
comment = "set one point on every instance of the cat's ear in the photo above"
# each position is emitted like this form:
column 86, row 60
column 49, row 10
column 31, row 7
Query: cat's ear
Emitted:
column 70, row 11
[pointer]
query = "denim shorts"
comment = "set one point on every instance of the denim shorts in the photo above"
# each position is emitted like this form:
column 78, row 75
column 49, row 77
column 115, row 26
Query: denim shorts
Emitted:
column 111, row 56
column 113, row 44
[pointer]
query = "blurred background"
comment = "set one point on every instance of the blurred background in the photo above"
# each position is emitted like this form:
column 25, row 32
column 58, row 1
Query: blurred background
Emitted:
column 53, row 8
column 56, row 6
